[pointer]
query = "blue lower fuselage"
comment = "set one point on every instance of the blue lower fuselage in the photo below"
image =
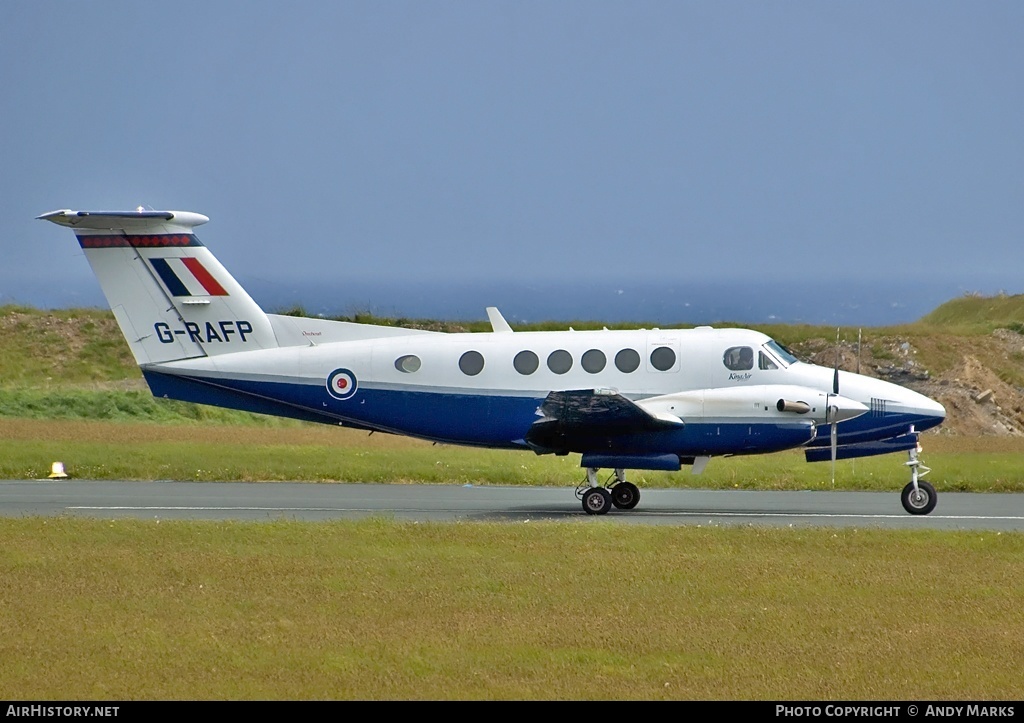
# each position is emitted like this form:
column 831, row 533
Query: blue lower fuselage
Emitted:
column 502, row 420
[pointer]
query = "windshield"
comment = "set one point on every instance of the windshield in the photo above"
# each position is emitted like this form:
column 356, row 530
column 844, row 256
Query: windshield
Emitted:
column 781, row 352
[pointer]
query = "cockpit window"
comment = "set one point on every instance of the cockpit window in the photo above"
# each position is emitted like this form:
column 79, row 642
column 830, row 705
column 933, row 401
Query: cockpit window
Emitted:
column 738, row 358
column 765, row 362
column 781, row 352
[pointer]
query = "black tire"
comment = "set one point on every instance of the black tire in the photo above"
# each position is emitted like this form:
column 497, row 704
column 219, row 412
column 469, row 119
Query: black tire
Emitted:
column 597, row 501
column 920, row 502
column 625, row 495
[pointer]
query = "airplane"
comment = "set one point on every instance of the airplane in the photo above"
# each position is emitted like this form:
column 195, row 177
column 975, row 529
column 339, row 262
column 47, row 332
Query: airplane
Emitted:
column 645, row 399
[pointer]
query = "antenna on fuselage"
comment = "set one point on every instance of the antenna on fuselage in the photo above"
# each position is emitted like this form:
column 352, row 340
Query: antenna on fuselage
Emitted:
column 498, row 323
column 834, row 410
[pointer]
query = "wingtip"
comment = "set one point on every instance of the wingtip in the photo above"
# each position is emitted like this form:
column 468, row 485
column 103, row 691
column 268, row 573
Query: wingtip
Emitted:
column 50, row 215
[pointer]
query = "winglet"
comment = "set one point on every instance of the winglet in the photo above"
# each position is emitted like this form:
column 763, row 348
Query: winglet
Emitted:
column 498, row 323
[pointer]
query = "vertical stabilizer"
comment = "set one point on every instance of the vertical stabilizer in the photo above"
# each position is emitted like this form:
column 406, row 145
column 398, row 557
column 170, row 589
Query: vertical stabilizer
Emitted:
column 171, row 297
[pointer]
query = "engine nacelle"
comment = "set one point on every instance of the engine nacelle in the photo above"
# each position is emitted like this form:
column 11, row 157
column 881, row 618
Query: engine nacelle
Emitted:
column 754, row 403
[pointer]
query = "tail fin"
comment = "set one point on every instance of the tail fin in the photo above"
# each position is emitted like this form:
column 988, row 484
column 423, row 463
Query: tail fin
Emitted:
column 171, row 297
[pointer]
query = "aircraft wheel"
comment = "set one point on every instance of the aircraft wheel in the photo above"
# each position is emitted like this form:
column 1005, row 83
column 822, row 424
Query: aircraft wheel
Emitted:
column 625, row 495
column 597, row 501
column 919, row 502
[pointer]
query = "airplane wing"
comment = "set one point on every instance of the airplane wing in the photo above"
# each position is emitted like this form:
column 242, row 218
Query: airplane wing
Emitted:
column 571, row 419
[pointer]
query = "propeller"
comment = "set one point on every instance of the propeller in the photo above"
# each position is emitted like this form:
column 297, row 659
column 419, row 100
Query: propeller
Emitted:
column 834, row 409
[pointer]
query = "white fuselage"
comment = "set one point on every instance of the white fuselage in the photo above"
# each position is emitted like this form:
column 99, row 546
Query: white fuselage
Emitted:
column 484, row 388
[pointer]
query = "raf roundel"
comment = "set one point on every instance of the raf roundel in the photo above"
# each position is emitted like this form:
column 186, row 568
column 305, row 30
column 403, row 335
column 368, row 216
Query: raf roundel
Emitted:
column 341, row 384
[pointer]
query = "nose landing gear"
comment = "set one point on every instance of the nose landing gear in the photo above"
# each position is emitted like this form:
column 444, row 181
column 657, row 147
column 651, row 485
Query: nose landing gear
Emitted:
column 918, row 497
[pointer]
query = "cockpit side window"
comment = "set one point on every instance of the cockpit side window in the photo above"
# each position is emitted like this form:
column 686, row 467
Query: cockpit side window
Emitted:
column 780, row 353
column 738, row 358
column 765, row 362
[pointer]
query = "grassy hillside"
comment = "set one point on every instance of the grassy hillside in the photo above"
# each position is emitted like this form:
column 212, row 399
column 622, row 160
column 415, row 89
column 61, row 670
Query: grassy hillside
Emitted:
column 74, row 363
column 83, row 348
column 979, row 314
column 70, row 391
column 62, row 348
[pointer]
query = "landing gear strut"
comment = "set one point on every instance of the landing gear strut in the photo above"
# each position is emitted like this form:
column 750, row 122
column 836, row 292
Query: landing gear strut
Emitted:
column 918, row 496
column 598, row 500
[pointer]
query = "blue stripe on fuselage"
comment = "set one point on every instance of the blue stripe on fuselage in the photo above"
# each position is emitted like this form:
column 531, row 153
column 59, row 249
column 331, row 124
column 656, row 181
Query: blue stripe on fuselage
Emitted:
column 169, row 386
column 468, row 419
column 869, row 428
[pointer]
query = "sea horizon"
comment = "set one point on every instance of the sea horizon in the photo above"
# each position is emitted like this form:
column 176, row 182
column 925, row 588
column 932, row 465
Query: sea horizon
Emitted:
column 861, row 303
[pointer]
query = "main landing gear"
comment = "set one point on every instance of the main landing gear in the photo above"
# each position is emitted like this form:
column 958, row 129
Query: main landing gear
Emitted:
column 918, row 496
column 598, row 500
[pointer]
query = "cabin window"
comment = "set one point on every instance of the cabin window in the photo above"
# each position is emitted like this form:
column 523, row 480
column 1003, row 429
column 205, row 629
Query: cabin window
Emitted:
column 663, row 358
column 738, row 358
column 526, row 362
column 409, row 363
column 471, row 363
column 560, row 361
column 627, row 360
column 765, row 362
column 593, row 361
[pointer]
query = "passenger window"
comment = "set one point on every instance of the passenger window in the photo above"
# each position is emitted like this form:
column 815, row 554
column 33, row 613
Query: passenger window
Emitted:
column 663, row 358
column 409, row 363
column 593, row 361
column 560, row 361
column 471, row 363
column 738, row 358
column 765, row 362
column 627, row 361
column 526, row 362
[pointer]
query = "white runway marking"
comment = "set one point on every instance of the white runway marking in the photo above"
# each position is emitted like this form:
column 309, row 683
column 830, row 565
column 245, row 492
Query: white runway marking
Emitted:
column 686, row 513
column 248, row 509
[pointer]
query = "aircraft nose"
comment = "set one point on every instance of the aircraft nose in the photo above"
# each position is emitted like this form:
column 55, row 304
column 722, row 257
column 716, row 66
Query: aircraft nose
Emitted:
column 935, row 411
column 925, row 406
column 928, row 411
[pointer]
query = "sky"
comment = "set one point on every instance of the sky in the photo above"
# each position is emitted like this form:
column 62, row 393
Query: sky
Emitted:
column 362, row 148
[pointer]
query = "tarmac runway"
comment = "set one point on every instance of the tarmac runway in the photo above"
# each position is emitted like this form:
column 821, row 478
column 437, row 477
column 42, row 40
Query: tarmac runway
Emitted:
column 452, row 503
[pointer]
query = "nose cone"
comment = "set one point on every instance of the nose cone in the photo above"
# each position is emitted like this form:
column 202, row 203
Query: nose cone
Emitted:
column 923, row 412
column 933, row 408
column 932, row 413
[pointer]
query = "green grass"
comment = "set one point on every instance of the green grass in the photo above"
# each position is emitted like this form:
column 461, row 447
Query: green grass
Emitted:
column 377, row 609
column 64, row 366
column 118, row 450
column 134, row 405
column 125, row 610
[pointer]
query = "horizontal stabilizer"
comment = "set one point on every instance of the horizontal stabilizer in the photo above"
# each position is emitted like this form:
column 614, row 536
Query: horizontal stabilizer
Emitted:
column 125, row 220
